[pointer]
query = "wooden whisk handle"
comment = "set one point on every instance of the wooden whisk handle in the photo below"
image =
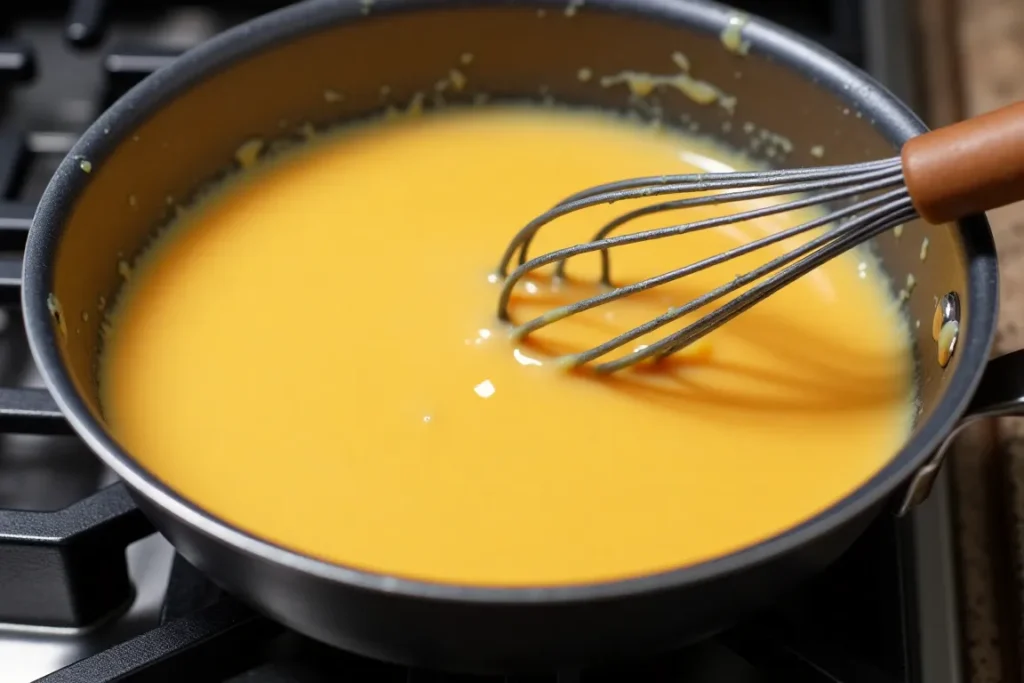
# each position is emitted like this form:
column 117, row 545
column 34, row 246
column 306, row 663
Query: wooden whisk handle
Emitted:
column 968, row 167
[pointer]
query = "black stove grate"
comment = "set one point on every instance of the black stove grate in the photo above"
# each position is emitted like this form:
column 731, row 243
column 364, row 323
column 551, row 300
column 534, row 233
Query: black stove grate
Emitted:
column 128, row 57
column 67, row 568
column 63, row 568
column 834, row 23
column 848, row 626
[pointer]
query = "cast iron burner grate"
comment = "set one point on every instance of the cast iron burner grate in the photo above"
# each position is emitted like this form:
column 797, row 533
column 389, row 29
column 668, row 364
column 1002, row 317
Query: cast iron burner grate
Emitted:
column 885, row 613
column 850, row 625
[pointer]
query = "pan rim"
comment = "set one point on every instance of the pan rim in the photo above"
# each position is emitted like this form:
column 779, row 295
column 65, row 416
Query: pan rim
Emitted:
column 893, row 120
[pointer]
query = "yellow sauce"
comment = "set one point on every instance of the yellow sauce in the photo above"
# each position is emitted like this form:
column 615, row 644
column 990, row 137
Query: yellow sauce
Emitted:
column 312, row 355
column 947, row 341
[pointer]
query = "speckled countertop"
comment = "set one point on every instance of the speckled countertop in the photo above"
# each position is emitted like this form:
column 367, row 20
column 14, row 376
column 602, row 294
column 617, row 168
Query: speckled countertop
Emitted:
column 992, row 67
column 988, row 467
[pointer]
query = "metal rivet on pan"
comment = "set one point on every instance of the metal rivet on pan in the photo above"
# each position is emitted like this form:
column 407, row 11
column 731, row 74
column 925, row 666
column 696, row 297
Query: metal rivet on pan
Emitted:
column 946, row 326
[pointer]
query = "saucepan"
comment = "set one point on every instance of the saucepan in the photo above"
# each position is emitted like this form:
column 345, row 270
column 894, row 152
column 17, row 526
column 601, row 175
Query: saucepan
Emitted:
column 181, row 127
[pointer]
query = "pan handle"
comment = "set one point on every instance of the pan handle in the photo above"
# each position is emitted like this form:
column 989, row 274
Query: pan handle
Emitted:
column 1000, row 394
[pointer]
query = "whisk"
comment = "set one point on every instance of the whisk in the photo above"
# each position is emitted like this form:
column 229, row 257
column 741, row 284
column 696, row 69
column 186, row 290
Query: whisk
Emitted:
column 940, row 176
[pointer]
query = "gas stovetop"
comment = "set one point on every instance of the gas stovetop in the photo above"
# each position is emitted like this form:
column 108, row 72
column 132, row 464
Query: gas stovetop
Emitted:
column 90, row 594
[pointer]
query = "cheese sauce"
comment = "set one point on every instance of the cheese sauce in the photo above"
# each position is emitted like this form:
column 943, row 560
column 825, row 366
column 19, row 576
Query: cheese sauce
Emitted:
column 312, row 354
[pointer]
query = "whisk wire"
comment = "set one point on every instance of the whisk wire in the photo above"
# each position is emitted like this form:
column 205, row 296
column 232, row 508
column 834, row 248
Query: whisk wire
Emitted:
column 846, row 235
column 736, row 178
column 766, row 184
column 939, row 177
column 880, row 201
column 561, row 312
column 871, row 182
column 562, row 255
column 755, row 295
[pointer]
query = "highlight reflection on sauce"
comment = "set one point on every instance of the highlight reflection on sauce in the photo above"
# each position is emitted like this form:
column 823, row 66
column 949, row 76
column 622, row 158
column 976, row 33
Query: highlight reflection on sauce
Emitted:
column 312, row 355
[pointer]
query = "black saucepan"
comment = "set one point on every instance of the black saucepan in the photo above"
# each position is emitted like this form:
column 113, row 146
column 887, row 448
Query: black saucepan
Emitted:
column 181, row 127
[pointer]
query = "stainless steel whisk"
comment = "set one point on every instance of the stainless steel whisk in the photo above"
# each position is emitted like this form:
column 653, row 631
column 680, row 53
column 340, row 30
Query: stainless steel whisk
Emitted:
column 940, row 176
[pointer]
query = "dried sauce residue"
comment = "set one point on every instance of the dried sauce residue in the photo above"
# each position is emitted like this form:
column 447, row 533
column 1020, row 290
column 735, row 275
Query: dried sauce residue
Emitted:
column 732, row 35
column 643, row 84
column 248, row 153
column 57, row 312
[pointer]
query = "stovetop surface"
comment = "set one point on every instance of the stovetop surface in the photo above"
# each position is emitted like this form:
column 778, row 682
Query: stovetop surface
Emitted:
column 73, row 610
column 852, row 623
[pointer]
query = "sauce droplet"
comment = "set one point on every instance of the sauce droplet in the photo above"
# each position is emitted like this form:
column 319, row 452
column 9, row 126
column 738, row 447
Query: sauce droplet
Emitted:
column 732, row 35
column 457, row 79
column 248, row 153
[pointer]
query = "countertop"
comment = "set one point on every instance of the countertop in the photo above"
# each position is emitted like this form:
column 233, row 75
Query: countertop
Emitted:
column 992, row 67
column 973, row 53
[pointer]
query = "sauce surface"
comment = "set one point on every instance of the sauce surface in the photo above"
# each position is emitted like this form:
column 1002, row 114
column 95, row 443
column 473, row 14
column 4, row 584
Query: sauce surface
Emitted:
column 312, row 355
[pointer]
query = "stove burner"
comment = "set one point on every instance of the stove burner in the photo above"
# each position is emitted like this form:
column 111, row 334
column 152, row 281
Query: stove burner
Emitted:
column 823, row 633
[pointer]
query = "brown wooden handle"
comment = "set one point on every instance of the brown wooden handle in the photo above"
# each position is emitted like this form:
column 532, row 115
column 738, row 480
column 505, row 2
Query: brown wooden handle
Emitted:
column 968, row 167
